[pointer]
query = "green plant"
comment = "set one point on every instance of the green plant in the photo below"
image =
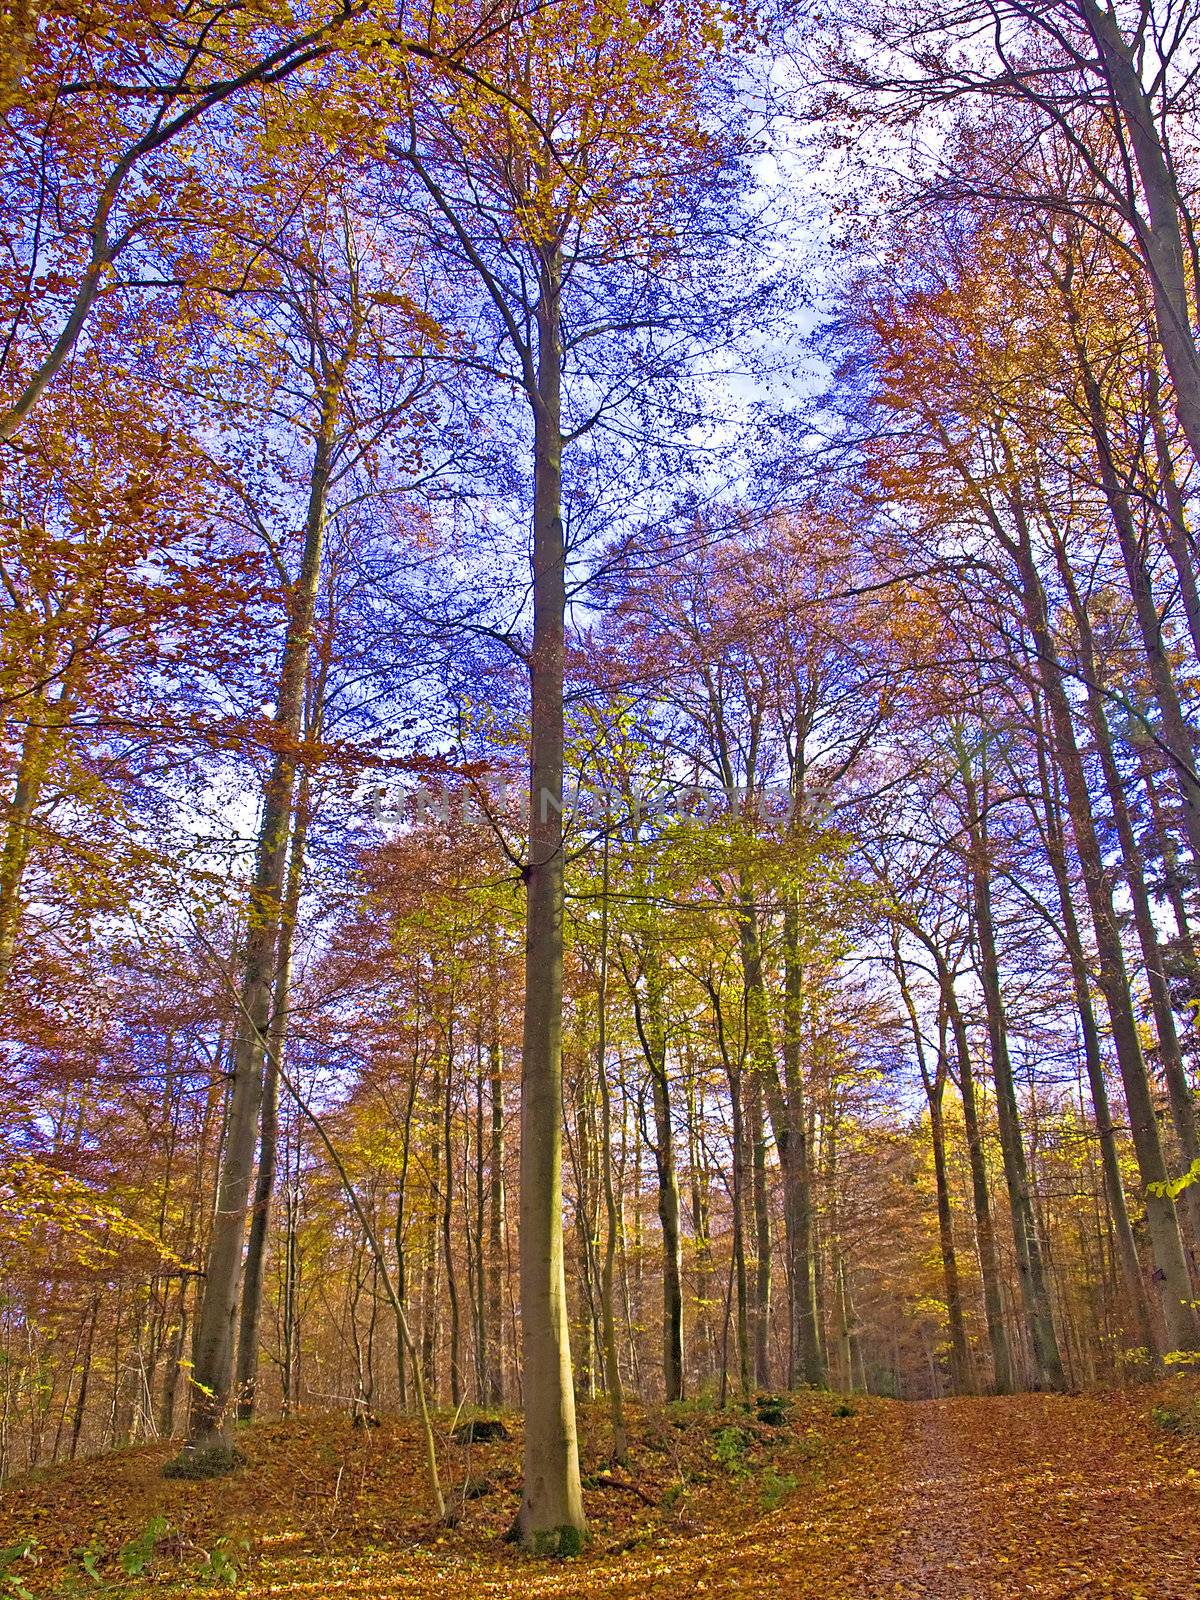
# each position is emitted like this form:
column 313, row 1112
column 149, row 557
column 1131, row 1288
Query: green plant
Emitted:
column 675, row 1494
column 224, row 1562
column 772, row 1409
column 730, row 1445
column 701, row 1404
column 137, row 1553
column 13, row 1588
column 90, row 1557
column 1182, row 1419
column 774, row 1488
column 217, row 1461
column 844, row 1409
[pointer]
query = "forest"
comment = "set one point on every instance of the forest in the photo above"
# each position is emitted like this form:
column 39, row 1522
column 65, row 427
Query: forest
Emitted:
column 600, row 813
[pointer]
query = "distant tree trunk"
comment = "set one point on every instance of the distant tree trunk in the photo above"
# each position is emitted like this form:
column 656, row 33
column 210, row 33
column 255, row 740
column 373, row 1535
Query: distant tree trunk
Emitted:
column 478, row 1257
column 985, row 1234
column 806, row 1362
column 85, row 1376
column 456, row 1381
column 962, row 1376
column 290, row 1375
column 429, row 1286
column 741, row 1188
column 400, row 1230
column 1030, row 1268
column 762, row 1233
column 585, row 1366
column 647, row 1011
column 495, row 1252
column 738, row 1188
column 701, row 1233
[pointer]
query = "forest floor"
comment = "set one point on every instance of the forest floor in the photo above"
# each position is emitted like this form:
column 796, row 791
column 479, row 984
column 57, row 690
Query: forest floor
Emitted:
column 861, row 1499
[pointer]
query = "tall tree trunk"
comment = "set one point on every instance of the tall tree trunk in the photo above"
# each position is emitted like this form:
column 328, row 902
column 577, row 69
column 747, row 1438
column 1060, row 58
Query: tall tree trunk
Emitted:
column 1034, row 1292
column 430, row 1275
column 585, row 1228
column 456, row 1381
column 1159, row 232
column 264, row 1184
column 762, row 1232
column 1176, row 734
column 1179, row 1092
column 648, row 1017
column 741, row 1187
column 551, row 1513
column 698, row 1184
column 1163, row 1224
column 213, row 1350
column 1110, row 1156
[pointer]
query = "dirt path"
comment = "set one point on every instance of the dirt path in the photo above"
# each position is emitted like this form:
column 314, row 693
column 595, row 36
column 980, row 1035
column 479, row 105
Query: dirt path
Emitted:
column 1023, row 1498
column 1042, row 1496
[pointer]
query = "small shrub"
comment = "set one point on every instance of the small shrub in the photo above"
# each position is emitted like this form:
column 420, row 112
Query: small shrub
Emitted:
column 223, row 1564
column 730, row 1445
column 89, row 1557
column 1181, row 1419
column 844, row 1409
column 675, row 1494
column 702, row 1404
column 214, row 1461
column 137, row 1553
column 11, row 1586
column 772, row 1409
column 480, row 1430
column 774, row 1488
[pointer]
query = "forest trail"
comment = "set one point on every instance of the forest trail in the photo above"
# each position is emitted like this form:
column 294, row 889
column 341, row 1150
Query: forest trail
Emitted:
column 1031, row 1497
column 1040, row 1496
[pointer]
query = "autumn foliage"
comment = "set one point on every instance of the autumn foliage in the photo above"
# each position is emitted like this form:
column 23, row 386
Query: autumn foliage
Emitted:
column 599, row 664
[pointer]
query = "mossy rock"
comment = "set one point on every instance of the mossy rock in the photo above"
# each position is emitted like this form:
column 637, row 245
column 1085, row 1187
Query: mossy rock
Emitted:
column 212, row 1461
column 772, row 1409
column 480, row 1430
column 1182, row 1419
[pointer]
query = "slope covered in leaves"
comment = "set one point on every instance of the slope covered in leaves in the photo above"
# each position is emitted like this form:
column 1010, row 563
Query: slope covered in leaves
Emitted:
column 1026, row 1496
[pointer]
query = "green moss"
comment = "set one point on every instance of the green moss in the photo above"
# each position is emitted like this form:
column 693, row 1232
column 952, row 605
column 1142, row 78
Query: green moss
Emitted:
column 570, row 1540
column 214, row 1461
column 1184, row 1419
column 773, row 1409
column 562, row 1542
